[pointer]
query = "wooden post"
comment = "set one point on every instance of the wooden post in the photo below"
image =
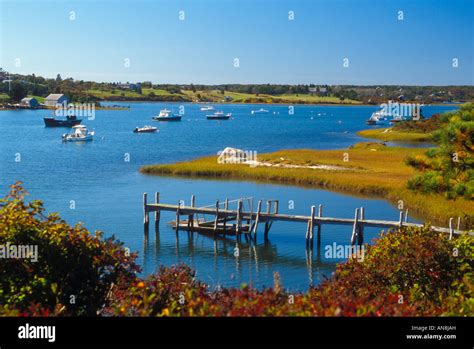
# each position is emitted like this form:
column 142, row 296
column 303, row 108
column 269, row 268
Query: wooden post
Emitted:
column 226, row 207
column 191, row 216
column 146, row 217
column 355, row 227
column 360, row 232
column 177, row 217
column 320, row 214
column 257, row 218
column 406, row 215
column 451, row 229
column 400, row 222
column 157, row 212
column 267, row 222
column 239, row 218
column 276, row 206
column 216, row 220
column 311, row 221
column 459, row 223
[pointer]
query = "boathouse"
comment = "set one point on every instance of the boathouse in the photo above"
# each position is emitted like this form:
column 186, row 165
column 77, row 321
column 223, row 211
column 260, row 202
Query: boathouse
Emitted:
column 29, row 102
column 54, row 99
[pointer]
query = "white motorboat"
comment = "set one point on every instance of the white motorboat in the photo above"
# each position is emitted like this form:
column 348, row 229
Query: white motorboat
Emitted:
column 219, row 115
column 165, row 115
column 259, row 111
column 377, row 118
column 145, row 129
column 79, row 133
column 207, row 108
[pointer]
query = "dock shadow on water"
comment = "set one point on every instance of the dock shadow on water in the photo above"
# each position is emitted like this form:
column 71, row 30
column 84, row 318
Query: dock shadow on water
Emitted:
column 223, row 261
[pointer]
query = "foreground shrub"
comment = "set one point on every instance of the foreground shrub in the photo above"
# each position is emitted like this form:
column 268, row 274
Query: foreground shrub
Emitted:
column 74, row 270
column 411, row 272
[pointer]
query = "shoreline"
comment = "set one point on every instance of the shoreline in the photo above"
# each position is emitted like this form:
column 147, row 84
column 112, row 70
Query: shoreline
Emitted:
column 376, row 171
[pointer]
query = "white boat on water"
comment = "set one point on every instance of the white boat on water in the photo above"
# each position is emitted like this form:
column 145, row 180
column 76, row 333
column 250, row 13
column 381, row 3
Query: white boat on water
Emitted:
column 145, row 129
column 165, row 115
column 219, row 115
column 259, row 111
column 377, row 118
column 79, row 133
column 207, row 108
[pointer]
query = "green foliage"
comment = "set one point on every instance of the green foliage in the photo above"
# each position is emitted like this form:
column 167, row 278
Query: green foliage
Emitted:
column 449, row 168
column 17, row 91
column 71, row 262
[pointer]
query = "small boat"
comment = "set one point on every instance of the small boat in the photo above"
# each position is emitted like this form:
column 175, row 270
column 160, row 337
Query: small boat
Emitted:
column 70, row 121
column 79, row 133
column 259, row 111
column 165, row 115
column 208, row 108
column 219, row 115
column 377, row 118
column 145, row 129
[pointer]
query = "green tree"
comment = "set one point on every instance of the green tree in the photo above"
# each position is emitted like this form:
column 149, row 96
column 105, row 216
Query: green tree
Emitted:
column 449, row 168
column 17, row 91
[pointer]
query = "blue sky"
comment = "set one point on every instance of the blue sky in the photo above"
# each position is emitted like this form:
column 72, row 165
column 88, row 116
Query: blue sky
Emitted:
column 418, row 50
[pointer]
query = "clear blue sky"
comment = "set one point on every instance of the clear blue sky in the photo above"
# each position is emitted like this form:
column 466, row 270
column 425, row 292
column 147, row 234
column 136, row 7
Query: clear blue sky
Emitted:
column 271, row 49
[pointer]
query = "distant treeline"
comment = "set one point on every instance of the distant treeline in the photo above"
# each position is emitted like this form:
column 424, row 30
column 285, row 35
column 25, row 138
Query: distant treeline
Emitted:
column 18, row 86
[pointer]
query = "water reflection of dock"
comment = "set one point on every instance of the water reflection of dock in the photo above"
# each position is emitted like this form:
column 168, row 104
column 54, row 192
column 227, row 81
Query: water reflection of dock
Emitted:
column 257, row 256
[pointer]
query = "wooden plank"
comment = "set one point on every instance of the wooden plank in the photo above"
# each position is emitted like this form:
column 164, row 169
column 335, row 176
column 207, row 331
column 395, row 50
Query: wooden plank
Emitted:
column 267, row 217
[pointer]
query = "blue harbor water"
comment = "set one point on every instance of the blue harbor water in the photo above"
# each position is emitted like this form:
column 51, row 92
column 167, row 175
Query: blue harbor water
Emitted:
column 95, row 184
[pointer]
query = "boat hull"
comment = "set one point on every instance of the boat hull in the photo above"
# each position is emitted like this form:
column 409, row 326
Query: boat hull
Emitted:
column 51, row 122
column 167, row 118
column 78, row 139
column 217, row 117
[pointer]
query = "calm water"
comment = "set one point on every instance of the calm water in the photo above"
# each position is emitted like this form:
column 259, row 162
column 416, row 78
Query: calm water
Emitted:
column 107, row 190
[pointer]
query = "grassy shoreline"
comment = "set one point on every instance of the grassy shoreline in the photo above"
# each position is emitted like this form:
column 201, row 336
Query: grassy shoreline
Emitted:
column 373, row 171
column 389, row 134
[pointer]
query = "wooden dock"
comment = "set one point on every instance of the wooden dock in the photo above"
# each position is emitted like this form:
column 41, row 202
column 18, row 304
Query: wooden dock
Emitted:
column 246, row 221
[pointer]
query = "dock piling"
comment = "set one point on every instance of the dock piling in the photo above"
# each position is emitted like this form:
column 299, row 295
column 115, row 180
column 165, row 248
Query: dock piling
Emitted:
column 146, row 216
column 355, row 227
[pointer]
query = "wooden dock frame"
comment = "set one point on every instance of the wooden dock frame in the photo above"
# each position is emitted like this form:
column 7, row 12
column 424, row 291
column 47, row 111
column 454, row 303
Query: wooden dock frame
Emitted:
column 222, row 218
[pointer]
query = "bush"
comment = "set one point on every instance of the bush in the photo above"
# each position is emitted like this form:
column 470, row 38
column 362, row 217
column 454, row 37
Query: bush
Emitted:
column 74, row 271
column 411, row 272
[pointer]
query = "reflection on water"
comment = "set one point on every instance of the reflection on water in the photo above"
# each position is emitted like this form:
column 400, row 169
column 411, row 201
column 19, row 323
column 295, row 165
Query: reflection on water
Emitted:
column 236, row 258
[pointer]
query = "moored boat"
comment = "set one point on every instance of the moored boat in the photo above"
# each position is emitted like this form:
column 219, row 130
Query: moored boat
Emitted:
column 377, row 118
column 207, row 108
column 70, row 121
column 259, row 111
column 218, row 115
column 165, row 115
column 79, row 133
column 145, row 129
